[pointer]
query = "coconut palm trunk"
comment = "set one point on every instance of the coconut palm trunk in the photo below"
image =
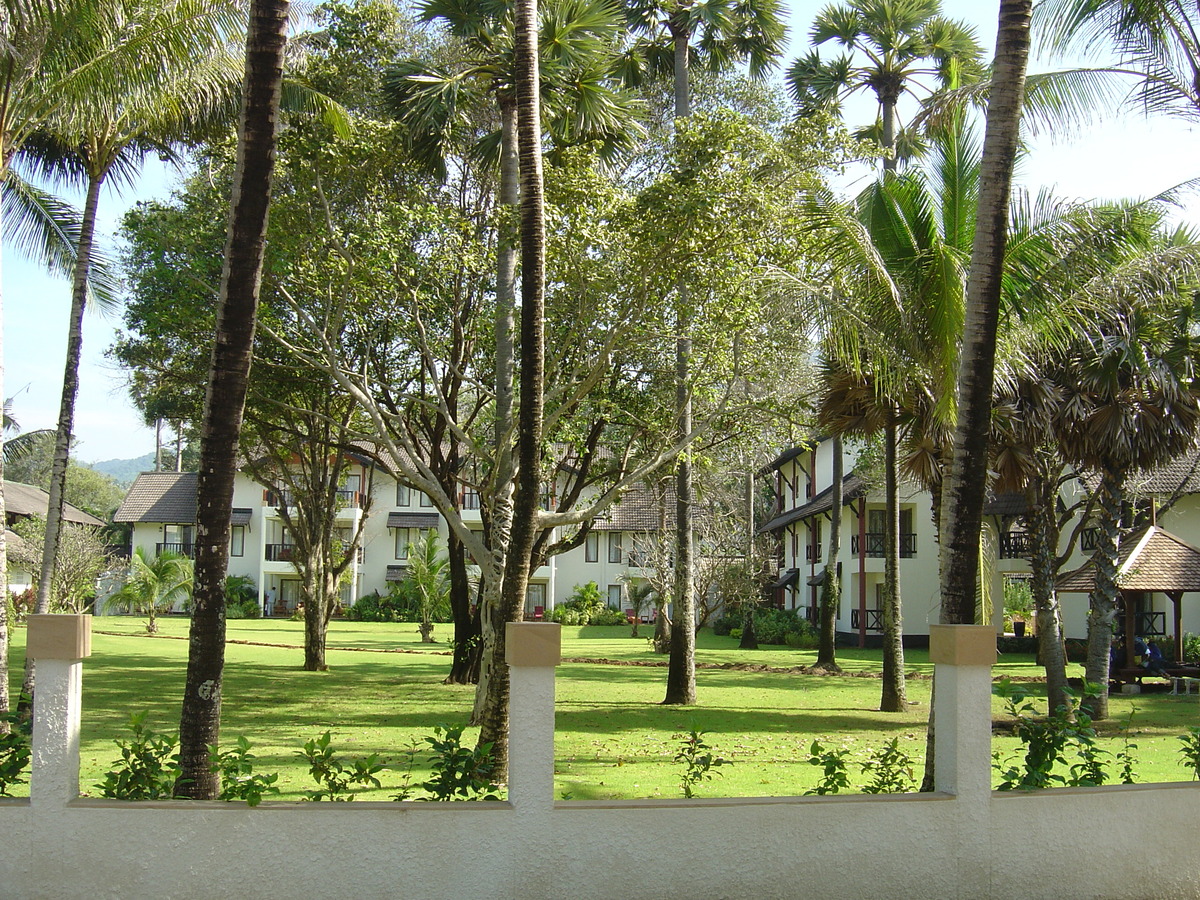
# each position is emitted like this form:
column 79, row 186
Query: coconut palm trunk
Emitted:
column 66, row 419
column 831, row 587
column 963, row 492
column 494, row 724
column 200, row 717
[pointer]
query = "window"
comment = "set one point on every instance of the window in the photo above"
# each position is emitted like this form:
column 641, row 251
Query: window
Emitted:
column 403, row 497
column 237, row 540
column 614, row 596
column 591, row 547
column 470, row 498
column 426, row 501
column 614, row 546
column 404, row 537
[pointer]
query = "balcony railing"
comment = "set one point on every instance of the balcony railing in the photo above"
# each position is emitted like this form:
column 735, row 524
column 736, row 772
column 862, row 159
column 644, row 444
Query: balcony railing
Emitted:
column 1015, row 545
column 1151, row 623
column 187, row 549
column 874, row 619
column 875, row 545
column 280, row 552
column 1088, row 539
column 347, row 499
column 812, row 551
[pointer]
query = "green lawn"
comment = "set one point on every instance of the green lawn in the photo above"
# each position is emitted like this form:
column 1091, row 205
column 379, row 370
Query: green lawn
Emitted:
column 384, row 692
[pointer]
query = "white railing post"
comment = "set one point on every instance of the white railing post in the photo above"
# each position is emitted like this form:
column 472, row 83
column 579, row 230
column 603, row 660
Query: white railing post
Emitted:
column 58, row 644
column 532, row 650
column 963, row 656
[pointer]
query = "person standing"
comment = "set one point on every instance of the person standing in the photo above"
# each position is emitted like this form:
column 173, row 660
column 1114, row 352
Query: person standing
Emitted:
column 269, row 602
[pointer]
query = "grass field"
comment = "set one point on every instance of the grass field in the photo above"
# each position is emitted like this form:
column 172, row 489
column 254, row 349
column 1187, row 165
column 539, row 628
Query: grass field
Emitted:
column 613, row 739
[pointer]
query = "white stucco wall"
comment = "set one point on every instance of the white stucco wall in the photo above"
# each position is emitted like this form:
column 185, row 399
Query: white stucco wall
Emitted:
column 963, row 842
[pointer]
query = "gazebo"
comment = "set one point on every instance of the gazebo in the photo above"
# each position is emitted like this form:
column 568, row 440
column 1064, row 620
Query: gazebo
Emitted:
column 1151, row 560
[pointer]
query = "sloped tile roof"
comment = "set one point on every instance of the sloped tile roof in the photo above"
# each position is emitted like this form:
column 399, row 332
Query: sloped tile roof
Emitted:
column 639, row 509
column 412, row 520
column 27, row 500
column 160, row 497
column 1181, row 474
column 1150, row 559
column 1010, row 503
column 853, row 487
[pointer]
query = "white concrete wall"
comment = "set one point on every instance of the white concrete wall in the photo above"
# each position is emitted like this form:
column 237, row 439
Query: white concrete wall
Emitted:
column 962, row 842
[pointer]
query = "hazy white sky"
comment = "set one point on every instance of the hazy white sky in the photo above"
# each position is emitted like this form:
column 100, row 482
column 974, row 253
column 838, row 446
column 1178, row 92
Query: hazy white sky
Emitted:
column 1123, row 156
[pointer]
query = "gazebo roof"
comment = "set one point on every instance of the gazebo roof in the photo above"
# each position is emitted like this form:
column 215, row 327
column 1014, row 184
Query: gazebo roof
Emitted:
column 1149, row 560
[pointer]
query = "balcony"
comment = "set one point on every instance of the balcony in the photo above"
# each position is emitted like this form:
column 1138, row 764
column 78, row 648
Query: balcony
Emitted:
column 1015, row 545
column 279, row 552
column 875, row 545
column 812, row 552
column 345, row 499
column 874, row 619
column 187, row 549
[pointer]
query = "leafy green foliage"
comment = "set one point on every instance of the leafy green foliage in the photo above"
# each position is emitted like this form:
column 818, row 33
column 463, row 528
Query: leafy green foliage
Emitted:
column 148, row 767
column 835, row 777
column 14, row 753
column 586, row 607
column 1191, row 647
column 153, row 585
column 1065, row 738
column 1190, row 751
column 335, row 778
column 699, row 759
column 241, row 598
column 457, row 772
column 891, row 770
column 238, row 781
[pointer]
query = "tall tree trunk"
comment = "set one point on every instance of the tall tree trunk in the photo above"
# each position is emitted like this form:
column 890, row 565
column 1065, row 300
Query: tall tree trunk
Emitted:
column 494, row 724
column 962, row 515
column 831, row 587
column 681, row 667
column 1103, row 606
column 66, row 420
column 963, row 494
column 464, row 669
column 1043, row 537
column 4, row 593
column 894, row 694
column 501, row 511
column 158, row 444
column 229, row 372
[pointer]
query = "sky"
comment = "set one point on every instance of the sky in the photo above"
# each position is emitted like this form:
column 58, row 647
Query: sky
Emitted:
column 1122, row 156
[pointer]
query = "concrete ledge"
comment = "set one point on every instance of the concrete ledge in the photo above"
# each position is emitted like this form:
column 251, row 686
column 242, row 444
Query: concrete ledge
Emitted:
column 962, row 645
column 66, row 637
column 533, row 644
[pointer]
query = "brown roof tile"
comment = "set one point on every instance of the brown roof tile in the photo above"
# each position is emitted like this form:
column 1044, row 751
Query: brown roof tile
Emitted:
column 160, row 497
column 27, row 500
column 1150, row 559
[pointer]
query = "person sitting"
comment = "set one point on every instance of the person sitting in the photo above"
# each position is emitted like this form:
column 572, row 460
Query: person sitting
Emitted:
column 1155, row 664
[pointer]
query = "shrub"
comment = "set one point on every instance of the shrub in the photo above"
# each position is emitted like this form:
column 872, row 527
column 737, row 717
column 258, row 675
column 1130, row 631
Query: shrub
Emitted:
column 725, row 624
column 772, row 626
column 14, row 754
column 608, row 616
column 332, row 776
column 698, row 759
column 369, row 608
column 22, row 606
column 1191, row 647
column 238, row 781
column 148, row 767
column 457, row 772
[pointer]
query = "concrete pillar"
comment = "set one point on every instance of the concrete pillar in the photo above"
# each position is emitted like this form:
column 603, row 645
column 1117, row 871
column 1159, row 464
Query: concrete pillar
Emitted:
column 532, row 650
column 58, row 644
column 963, row 656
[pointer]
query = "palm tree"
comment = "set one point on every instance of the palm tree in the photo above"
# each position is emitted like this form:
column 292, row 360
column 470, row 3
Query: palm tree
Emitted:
column 200, row 717
column 1131, row 402
column 673, row 37
column 427, row 572
column 1157, row 39
column 153, row 586
column 90, row 136
column 494, row 723
column 903, row 43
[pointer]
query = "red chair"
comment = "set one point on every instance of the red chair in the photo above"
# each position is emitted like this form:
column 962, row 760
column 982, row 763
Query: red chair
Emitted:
column 539, row 613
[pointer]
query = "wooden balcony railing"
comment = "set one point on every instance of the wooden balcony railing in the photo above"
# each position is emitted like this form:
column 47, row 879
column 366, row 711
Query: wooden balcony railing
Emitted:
column 875, row 545
column 187, row 549
column 874, row 619
column 280, row 552
column 1015, row 545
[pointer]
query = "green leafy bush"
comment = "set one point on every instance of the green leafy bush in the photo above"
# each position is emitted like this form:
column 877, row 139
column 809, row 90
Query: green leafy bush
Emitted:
column 586, row 607
column 1191, row 647
column 725, row 624
column 148, row 767
column 835, row 777
column 891, row 770
column 238, row 781
column 457, row 772
column 698, row 759
column 14, row 754
column 772, row 626
column 333, row 777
